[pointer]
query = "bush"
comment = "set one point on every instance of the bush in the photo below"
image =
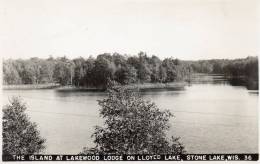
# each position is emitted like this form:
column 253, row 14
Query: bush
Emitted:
column 132, row 126
column 20, row 135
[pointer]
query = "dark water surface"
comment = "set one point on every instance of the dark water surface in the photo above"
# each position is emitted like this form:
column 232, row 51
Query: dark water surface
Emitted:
column 211, row 116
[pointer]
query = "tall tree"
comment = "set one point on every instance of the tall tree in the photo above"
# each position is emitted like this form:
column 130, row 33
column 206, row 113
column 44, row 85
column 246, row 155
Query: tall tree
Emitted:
column 79, row 71
column 155, row 63
column 10, row 73
column 104, row 70
column 64, row 71
column 143, row 70
column 171, row 69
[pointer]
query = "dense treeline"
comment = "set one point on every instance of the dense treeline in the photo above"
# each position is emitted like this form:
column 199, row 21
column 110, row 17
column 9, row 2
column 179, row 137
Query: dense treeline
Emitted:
column 95, row 72
column 236, row 67
column 238, row 71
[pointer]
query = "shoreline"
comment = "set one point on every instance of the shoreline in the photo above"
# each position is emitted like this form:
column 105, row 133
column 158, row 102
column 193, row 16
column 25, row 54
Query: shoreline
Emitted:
column 250, row 84
column 30, row 86
column 57, row 87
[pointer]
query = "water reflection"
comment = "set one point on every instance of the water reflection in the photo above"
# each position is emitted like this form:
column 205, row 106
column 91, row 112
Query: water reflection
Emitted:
column 250, row 84
column 211, row 116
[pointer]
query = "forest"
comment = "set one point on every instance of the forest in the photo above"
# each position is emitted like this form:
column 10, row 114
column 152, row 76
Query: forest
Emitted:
column 237, row 71
column 124, row 69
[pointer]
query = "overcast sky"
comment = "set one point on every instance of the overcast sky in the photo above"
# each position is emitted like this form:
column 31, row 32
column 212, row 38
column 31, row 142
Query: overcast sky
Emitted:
column 186, row 29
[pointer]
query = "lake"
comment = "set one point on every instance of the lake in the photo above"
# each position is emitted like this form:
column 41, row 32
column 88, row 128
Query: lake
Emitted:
column 211, row 116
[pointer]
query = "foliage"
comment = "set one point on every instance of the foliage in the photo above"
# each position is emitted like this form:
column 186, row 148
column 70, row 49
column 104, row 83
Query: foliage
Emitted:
column 132, row 126
column 10, row 74
column 104, row 70
column 126, row 74
column 245, row 70
column 91, row 72
column 237, row 67
column 20, row 135
column 95, row 72
column 64, row 71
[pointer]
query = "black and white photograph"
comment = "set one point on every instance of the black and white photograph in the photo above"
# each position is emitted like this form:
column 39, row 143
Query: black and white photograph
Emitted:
column 129, row 80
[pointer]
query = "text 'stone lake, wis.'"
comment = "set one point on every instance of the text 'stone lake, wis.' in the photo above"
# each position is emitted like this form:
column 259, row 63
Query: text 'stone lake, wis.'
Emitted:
column 210, row 117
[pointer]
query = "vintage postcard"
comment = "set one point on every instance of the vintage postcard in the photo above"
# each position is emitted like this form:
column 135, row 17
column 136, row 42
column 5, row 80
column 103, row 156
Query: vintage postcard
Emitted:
column 129, row 80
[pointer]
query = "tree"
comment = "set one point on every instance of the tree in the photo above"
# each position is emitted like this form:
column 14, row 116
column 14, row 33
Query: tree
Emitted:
column 162, row 74
column 20, row 135
column 251, row 68
column 155, row 63
column 89, row 72
column 64, row 71
column 46, row 71
column 171, row 69
column 79, row 71
column 104, row 70
column 119, row 60
column 10, row 74
column 132, row 126
column 126, row 74
column 143, row 71
column 28, row 74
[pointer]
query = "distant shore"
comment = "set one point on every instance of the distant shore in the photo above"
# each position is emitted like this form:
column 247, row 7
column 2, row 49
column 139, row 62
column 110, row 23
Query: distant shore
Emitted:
column 249, row 83
column 31, row 86
column 158, row 86
column 58, row 87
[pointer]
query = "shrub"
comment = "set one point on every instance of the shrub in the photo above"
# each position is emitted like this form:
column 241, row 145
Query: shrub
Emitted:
column 132, row 126
column 20, row 135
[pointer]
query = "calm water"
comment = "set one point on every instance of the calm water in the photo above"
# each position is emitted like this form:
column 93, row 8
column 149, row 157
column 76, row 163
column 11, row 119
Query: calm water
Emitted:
column 211, row 116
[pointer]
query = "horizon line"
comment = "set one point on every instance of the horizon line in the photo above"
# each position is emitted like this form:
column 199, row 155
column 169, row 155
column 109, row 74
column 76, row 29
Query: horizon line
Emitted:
column 125, row 55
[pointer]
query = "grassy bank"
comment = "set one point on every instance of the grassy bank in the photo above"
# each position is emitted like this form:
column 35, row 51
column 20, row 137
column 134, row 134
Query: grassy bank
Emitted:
column 158, row 86
column 31, row 86
column 142, row 87
column 75, row 88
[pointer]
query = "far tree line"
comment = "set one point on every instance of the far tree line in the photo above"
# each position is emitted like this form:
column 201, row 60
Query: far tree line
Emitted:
column 236, row 67
column 238, row 71
column 124, row 69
